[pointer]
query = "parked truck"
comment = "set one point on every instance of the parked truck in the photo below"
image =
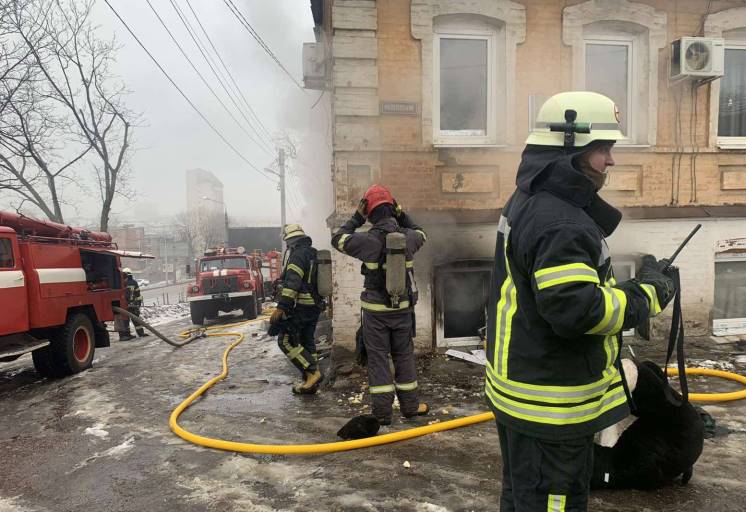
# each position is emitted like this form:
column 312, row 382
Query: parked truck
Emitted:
column 57, row 288
column 228, row 279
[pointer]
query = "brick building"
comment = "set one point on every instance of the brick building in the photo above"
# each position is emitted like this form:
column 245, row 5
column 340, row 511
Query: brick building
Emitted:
column 435, row 98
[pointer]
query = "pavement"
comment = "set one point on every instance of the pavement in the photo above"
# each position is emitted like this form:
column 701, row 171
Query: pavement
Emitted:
column 100, row 440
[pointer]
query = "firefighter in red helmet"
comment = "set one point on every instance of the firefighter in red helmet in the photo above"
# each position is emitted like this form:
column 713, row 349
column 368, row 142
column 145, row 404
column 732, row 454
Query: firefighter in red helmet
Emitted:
column 388, row 328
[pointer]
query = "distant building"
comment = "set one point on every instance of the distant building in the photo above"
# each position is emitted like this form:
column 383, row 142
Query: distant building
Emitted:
column 131, row 238
column 205, row 207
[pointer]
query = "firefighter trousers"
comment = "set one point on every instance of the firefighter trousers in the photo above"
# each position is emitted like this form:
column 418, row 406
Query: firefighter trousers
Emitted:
column 124, row 325
column 541, row 475
column 387, row 334
column 297, row 342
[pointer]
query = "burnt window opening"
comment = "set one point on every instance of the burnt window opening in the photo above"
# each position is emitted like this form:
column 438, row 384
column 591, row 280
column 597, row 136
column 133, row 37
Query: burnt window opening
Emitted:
column 462, row 292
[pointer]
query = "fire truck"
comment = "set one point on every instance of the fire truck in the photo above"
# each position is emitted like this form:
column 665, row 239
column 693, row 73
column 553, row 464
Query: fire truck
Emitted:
column 57, row 288
column 227, row 279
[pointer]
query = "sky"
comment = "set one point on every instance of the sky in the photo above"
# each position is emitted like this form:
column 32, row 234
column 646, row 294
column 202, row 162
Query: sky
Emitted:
column 173, row 138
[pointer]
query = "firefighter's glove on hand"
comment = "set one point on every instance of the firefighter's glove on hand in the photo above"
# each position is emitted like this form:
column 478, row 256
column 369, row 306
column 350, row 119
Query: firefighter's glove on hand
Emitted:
column 397, row 209
column 277, row 316
column 651, row 273
column 359, row 215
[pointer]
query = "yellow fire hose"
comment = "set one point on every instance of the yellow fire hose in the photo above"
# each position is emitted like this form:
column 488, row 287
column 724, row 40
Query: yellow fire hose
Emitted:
column 305, row 449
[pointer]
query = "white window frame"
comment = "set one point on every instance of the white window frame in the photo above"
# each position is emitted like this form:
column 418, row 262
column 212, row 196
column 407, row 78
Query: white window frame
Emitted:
column 632, row 92
column 727, row 326
column 726, row 142
column 449, row 139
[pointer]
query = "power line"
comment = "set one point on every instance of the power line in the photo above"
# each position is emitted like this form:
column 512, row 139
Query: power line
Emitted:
column 218, row 76
column 191, row 104
column 230, row 75
column 204, row 81
column 242, row 19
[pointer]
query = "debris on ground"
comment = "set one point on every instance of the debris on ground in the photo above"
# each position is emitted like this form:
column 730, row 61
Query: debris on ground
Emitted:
column 475, row 356
column 407, row 464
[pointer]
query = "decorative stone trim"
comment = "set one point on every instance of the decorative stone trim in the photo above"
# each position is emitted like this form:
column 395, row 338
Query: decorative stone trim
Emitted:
column 511, row 14
column 715, row 26
column 576, row 17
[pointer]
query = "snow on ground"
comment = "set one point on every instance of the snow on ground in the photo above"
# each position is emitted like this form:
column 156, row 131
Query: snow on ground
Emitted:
column 158, row 314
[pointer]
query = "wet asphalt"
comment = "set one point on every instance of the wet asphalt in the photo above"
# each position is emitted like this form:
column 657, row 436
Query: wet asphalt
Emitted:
column 100, row 440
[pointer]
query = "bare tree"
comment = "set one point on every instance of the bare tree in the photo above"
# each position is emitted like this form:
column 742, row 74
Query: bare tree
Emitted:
column 202, row 228
column 71, row 111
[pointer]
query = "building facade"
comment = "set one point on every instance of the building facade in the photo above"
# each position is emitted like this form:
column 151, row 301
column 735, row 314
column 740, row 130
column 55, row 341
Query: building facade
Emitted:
column 435, row 98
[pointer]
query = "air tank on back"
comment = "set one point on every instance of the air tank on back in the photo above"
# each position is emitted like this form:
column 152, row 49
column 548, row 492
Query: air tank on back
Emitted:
column 396, row 269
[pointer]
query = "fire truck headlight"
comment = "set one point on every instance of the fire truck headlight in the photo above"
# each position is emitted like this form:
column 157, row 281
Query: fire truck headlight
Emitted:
column 195, row 288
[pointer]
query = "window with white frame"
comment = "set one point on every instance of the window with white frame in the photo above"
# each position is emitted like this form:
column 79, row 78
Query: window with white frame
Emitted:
column 729, row 308
column 609, row 71
column 466, row 89
column 732, row 104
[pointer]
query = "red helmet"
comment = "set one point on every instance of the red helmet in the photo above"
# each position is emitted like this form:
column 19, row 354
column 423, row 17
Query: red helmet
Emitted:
column 377, row 195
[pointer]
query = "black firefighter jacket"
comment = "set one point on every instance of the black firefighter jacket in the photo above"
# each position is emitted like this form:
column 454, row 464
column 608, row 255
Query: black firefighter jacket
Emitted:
column 297, row 277
column 554, row 310
column 369, row 247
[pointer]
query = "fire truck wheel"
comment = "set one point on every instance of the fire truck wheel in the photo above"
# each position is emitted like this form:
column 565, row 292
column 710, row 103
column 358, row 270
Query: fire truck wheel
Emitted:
column 197, row 313
column 70, row 350
column 250, row 309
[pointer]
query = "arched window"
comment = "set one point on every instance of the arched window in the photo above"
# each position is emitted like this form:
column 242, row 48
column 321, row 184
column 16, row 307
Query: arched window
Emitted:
column 615, row 52
column 468, row 69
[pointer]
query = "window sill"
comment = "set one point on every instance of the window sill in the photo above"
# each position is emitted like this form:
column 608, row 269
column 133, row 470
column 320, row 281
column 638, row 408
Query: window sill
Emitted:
column 469, row 145
column 731, row 147
column 632, row 146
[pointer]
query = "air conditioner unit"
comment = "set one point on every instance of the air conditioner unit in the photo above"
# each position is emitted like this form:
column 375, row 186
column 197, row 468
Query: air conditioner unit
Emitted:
column 698, row 58
column 314, row 66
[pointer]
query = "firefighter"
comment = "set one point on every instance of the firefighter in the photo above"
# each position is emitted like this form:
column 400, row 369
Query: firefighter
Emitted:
column 134, row 303
column 388, row 329
column 298, row 309
column 553, row 376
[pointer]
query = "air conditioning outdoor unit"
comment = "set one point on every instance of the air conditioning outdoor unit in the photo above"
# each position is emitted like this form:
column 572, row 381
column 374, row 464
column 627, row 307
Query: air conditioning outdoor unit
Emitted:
column 697, row 58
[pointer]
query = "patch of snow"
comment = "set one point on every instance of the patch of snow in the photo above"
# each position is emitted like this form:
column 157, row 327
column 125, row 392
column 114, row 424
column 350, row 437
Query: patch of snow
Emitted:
column 708, row 363
column 158, row 314
column 12, row 505
column 429, row 507
column 97, row 430
column 115, row 452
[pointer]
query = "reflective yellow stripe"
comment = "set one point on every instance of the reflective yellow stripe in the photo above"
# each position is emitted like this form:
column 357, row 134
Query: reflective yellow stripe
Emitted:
column 653, row 303
column 409, row 264
column 424, row 235
column 295, row 353
column 407, row 386
column 341, row 243
column 552, row 415
column 306, row 299
column 615, row 304
column 506, row 308
column 563, row 274
column 295, row 268
column 369, row 306
column 556, row 503
column 371, row 265
column 287, row 292
column 553, row 394
column 388, row 388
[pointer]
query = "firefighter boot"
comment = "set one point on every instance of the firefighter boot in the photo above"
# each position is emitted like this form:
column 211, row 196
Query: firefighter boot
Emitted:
column 141, row 332
column 310, row 385
column 125, row 336
column 422, row 410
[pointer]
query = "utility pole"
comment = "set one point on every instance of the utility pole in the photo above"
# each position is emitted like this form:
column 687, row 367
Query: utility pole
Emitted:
column 281, row 161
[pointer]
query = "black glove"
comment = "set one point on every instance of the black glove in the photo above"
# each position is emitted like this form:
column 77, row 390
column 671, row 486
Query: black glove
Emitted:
column 652, row 273
column 359, row 216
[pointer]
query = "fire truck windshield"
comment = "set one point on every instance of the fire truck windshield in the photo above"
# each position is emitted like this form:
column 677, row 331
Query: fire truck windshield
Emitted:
column 224, row 263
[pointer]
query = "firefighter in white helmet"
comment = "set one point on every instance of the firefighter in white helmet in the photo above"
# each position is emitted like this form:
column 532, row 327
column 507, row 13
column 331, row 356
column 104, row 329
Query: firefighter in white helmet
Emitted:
column 134, row 303
column 553, row 374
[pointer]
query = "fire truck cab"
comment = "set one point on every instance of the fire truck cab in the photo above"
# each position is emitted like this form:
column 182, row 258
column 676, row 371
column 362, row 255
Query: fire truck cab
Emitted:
column 57, row 287
column 227, row 279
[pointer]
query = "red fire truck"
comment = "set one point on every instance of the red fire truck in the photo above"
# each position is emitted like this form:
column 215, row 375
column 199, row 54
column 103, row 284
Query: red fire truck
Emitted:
column 57, row 287
column 227, row 279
